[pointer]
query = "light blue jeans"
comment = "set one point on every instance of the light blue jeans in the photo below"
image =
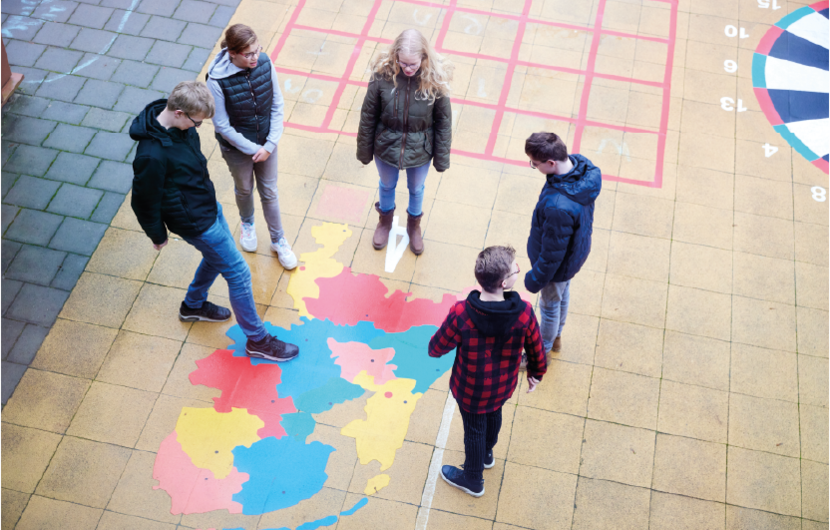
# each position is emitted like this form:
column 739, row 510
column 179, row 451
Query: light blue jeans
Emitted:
column 220, row 256
column 553, row 304
column 415, row 177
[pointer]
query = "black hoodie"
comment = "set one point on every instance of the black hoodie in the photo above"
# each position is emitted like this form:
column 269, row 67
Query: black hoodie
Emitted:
column 493, row 319
column 171, row 186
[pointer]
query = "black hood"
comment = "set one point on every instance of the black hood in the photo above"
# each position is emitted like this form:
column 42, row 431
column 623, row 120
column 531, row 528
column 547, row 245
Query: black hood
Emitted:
column 493, row 319
column 146, row 127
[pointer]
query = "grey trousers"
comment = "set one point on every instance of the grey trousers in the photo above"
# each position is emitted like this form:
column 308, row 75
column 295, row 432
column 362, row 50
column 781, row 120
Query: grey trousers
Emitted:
column 244, row 172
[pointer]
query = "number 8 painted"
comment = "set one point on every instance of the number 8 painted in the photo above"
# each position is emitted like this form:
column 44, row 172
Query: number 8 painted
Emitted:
column 819, row 193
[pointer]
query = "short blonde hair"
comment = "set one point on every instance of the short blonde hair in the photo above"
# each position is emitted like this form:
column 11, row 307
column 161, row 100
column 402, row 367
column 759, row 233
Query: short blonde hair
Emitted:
column 435, row 73
column 493, row 265
column 192, row 97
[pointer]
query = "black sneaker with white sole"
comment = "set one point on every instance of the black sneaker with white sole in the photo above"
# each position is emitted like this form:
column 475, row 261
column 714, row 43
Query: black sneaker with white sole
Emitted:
column 456, row 477
column 271, row 348
column 489, row 460
column 209, row 312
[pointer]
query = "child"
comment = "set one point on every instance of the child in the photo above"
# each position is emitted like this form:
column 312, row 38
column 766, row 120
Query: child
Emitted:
column 489, row 330
column 560, row 231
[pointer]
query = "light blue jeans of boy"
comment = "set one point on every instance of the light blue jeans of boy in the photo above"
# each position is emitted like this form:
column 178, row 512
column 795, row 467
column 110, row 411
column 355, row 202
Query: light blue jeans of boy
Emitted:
column 553, row 304
column 415, row 177
column 220, row 256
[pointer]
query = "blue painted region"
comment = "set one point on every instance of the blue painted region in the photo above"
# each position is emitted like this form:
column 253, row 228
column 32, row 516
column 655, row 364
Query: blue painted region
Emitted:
column 335, row 390
column 360, row 504
column 794, row 105
column 795, row 142
column 825, row 157
column 759, row 65
column 298, row 425
column 825, row 12
column 411, row 357
column 314, row 525
column 793, row 48
column 796, row 15
column 282, row 473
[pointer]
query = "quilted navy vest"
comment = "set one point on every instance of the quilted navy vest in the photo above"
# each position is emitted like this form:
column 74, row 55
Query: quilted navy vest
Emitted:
column 248, row 98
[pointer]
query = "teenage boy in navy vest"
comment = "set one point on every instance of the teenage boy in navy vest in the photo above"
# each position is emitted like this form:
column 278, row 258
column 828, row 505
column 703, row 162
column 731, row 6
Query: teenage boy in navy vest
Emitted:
column 173, row 191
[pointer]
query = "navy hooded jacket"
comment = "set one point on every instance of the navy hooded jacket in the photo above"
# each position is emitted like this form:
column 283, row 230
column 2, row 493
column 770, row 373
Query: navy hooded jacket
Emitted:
column 560, row 232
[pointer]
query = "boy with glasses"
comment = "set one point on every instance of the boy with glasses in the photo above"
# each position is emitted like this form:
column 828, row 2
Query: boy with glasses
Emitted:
column 173, row 191
column 561, row 228
column 489, row 331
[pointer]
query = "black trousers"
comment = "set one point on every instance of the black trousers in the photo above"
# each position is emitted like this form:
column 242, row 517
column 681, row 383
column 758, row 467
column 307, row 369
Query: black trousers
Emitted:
column 481, row 433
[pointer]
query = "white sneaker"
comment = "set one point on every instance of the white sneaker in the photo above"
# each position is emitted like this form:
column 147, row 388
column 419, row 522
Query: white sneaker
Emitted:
column 247, row 237
column 286, row 256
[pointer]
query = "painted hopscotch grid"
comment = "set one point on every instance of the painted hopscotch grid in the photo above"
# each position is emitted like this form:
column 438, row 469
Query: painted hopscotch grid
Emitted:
column 589, row 74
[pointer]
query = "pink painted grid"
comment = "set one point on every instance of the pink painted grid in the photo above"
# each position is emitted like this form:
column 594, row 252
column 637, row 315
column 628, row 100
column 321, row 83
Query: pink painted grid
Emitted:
column 580, row 122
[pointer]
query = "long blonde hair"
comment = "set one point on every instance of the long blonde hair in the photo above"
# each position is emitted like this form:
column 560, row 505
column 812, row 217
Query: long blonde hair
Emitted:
column 435, row 74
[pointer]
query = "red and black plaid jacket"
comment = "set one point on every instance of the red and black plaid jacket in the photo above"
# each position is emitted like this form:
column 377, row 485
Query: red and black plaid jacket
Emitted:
column 485, row 373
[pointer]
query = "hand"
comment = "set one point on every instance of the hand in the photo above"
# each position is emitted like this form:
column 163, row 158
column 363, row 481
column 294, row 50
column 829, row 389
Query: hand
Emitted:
column 161, row 245
column 261, row 155
column 531, row 383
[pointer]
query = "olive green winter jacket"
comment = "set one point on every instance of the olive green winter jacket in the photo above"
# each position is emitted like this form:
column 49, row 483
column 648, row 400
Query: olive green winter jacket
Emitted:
column 402, row 130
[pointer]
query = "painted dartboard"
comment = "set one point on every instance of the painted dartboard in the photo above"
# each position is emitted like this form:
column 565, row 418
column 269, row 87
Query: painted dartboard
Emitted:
column 790, row 76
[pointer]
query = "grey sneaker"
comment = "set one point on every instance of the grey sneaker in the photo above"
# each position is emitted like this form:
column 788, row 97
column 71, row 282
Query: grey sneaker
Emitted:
column 209, row 312
column 271, row 348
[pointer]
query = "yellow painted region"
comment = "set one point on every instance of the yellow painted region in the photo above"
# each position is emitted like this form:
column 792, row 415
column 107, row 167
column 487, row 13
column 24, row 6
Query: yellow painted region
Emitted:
column 387, row 419
column 317, row 264
column 377, row 483
column 208, row 437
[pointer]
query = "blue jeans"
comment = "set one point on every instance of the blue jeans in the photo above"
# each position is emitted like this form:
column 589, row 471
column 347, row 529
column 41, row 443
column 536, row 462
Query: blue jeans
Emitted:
column 220, row 256
column 553, row 304
column 415, row 177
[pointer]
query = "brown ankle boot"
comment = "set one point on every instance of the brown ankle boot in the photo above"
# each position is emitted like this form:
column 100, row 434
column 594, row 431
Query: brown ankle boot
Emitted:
column 413, row 228
column 381, row 237
column 557, row 344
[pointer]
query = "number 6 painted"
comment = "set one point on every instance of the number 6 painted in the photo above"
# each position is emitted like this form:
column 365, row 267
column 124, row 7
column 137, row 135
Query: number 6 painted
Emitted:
column 730, row 66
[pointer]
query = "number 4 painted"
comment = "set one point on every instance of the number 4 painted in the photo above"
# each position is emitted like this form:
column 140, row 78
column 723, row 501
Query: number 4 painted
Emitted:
column 769, row 150
column 764, row 4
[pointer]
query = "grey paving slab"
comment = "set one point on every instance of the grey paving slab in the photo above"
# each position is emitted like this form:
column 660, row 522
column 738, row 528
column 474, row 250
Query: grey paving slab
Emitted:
column 195, row 11
column 7, row 180
column 164, row 8
column 10, row 377
column 75, row 201
column 21, row 27
column 91, row 16
column 222, row 16
column 11, row 329
column 24, row 53
column 58, row 60
column 93, row 40
column 112, row 146
column 26, row 130
column 168, row 78
column 129, row 47
column 31, row 160
column 35, row 265
column 9, row 251
column 28, row 344
column 97, row 66
column 108, row 120
column 8, row 292
column 168, row 54
column 55, row 10
column 70, row 138
column 196, row 60
column 72, row 268
column 112, row 176
column 61, row 87
column 32, row 192
column 128, row 22
column 200, row 35
column 99, row 93
column 232, row 3
column 55, row 34
column 122, row 4
column 19, row 7
column 26, row 105
column 134, row 99
column 65, row 112
column 36, row 304
column 163, row 28
column 136, row 73
column 74, row 168
column 79, row 237
column 32, row 79
column 107, row 207
column 34, row 227
column 6, row 151
column 7, row 213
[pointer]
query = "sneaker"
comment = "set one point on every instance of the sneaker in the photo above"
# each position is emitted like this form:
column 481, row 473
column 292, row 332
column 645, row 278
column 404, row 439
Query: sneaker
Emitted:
column 456, row 477
column 207, row 313
column 247, row 237
column 271, row 348
column 557, row 344
column 489, row 460
column 523, row 365
column 286, row 256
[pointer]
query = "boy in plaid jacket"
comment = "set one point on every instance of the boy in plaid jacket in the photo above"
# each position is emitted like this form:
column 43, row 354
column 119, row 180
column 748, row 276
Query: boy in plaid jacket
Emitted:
column 489, row 329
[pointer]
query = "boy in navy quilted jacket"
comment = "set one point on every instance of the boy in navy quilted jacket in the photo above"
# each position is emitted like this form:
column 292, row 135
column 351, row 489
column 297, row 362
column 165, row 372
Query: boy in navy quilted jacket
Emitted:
column 489, row 330
column 561, row 227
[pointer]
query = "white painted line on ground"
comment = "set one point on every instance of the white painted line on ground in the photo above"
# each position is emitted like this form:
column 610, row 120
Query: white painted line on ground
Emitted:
column 435, row 465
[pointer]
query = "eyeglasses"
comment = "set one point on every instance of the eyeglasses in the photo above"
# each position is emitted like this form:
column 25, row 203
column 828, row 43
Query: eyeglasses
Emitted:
column 514, row 273
column 195, row 123
column 532, row 165
column 253, row 55
column 410, row 66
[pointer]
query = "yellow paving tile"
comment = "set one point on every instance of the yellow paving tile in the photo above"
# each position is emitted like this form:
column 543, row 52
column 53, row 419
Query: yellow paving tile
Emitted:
column 14, row 502
column 74, row 348
column 645, row 216
column 702, row 225
column 764, row 236
column 440, row 520
column 701, row 267
column 378, row 513
column 812, row 339
column 806, row 208
column 763, row 197
column 134, row 494
column 764, row 424
column 125, row 218
column 811, row 286
column 123, row 253
column 763, row 481
column 633, row 300
column 604, row 504
column 139, row 361
column 678, row 512
column 738, row 518
column 586, row 293
column 326, row 502
column 26, row 453
column 696, row 360
column 813, row 380
column 814, row 490
column 156, row 312
column 113, row 521
column 646, row 258
column 431, row 267
column 426, row 418
column 624, row 398
column 814, row 432
column 45, row 400
column 43, row 512
column 579, row 338
column 762, row 323
column 100, row 299
column 112, row 414
column 444, row 225
column 536, row 498
column 693, row 411
column 629, row 348
column 564, row 388
column 407, row 475
column 178, row 383
column 811, row 244
column 535, row 428
column 764, row 278
column 162, row 420
column 617, row 453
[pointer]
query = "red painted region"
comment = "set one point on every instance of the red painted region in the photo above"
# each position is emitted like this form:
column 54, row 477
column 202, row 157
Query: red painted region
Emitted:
column 191, row 489
column 245, row 386
column 347, row 299
column 766, row 105
column 822, row 165
column 818, row 6
column 768, row 40
column 346, row 204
